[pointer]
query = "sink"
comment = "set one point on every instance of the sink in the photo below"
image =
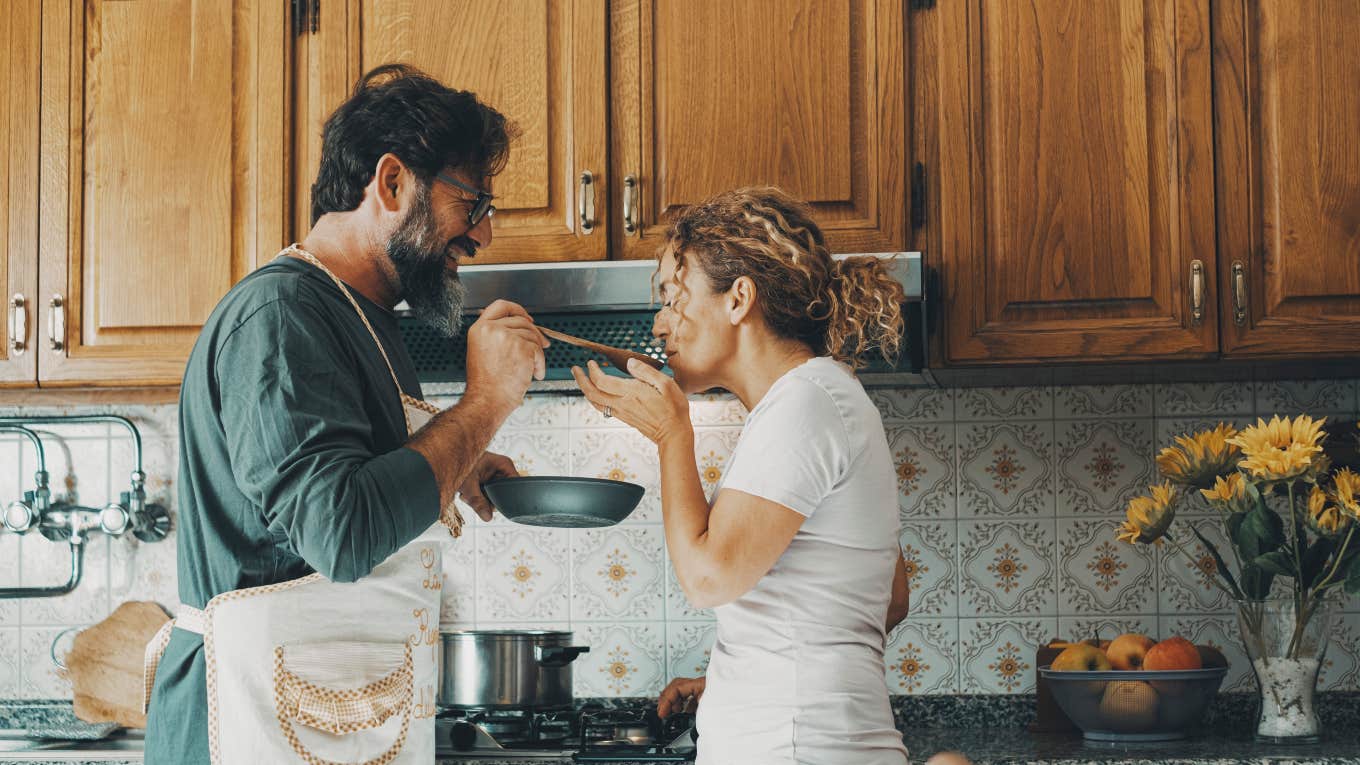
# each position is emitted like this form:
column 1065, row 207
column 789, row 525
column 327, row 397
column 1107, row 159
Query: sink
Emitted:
column 19, row 741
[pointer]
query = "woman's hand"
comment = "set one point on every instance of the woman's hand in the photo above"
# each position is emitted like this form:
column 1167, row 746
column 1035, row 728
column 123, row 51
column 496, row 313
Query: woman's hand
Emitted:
column 489, row 466
column 681, row 695
column 650, row 402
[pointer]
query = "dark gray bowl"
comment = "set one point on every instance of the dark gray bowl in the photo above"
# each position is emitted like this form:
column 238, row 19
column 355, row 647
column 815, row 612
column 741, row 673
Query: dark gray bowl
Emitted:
column 563, row 501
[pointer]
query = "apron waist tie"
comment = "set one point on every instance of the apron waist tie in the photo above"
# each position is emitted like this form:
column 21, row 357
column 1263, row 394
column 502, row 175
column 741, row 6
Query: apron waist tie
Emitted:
column 189, row 619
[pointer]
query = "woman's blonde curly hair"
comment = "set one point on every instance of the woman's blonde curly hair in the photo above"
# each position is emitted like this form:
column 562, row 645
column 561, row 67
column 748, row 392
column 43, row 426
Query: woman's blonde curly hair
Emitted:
column 840, row 308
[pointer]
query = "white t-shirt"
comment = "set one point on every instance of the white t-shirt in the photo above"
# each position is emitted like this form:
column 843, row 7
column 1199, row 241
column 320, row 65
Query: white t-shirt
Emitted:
column 797, row 671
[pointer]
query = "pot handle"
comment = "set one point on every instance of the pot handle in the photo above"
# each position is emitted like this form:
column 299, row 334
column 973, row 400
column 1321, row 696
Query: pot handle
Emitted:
column 558, row 655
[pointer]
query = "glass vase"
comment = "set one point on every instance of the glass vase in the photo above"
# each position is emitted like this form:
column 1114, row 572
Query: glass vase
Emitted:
column 1286, row 641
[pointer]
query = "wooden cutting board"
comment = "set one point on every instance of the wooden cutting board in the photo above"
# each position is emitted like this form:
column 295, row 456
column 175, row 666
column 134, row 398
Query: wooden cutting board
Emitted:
column 105, row 664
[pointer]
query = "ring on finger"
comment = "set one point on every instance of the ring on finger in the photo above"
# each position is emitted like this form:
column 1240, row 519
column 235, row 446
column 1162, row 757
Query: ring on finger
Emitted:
column 608, row 411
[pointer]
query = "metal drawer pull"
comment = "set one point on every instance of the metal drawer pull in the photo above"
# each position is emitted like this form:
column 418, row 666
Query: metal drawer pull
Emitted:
column 56, row 323
column 585, row 202
column 1239, row 279
column 18, row 324
column 1196, row 292
column 630, row 205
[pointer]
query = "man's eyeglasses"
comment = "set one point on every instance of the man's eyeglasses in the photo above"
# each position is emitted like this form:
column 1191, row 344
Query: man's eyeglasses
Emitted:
column 481, row 206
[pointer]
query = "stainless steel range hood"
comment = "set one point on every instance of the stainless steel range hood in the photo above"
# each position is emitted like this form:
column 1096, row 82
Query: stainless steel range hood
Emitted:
column 612, row 302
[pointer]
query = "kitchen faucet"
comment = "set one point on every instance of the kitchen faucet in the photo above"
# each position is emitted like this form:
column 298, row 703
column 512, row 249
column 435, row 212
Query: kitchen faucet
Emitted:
column 63, row 521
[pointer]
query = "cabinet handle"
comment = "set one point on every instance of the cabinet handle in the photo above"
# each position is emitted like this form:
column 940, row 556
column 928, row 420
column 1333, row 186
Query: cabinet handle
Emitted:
column 585, row 202
column 1239, row 280
column 18, row 324
column 630, row 205
column 56, row 323
column 1196, row 292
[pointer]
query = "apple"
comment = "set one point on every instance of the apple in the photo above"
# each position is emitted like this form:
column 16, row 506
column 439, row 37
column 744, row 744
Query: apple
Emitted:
column 1172, row 653
column 1127, row 651
column 1211, row 657
column 1080, row 657
column 1129, row 706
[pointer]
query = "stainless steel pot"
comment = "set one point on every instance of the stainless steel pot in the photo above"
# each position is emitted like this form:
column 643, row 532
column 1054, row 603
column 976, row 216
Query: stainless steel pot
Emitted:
column 506, row 669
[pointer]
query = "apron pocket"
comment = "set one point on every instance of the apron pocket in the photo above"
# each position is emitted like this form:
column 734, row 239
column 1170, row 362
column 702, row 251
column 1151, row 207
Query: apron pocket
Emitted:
column 341, row 699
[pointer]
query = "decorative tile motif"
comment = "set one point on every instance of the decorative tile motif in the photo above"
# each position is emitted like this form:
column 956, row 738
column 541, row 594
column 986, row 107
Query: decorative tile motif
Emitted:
column 1341, row 667
column 1186, row 580
column 1103, row 464
column 1312, row 397
column 997, row 656
column 9, row 575
column 1221, row 632
column 1189, row 399
column 581, row 414
column 677, row 606
column 712, row 453
column 624, row 660
column 145, row 570
column 914, row 405
column 1101, row 401
column 1097, row 574
column 924, row 459
column 1105, row 628
column 619, row 573
column 534, row 452
column 710, row 409
column 523, row 574
column 1005, row 469
column 1004, row 404
column 539, row 413
column 689, row 646
column 1006, row 568
column 620, row 455
column 928, row 549
column 40, row 677
column 922, row 657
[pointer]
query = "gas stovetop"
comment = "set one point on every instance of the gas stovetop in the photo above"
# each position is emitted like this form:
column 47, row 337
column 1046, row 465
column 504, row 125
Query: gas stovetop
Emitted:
column 586, row 735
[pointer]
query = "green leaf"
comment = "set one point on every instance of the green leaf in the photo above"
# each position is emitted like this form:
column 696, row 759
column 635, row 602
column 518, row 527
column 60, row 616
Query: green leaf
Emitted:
column 1279, row 563
column 1261, row 531
column 1256, row 581
column 1315, row 561
column 1218, row 560
column 1353, row 577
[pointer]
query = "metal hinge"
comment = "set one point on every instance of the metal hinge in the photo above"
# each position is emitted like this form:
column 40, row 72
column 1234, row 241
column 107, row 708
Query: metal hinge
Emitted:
column 918, row 195
column 921, row 5
column 306, row 16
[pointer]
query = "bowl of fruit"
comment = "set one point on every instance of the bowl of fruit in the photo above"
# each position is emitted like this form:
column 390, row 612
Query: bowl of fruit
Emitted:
column 1134, row 688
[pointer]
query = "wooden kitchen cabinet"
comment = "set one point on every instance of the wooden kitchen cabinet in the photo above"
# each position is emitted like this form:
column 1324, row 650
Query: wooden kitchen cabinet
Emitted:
column 805, row 94
column 19, row 66
column 1069, row 151
column 540, row 63
column 1288, row 131
column 162, row 177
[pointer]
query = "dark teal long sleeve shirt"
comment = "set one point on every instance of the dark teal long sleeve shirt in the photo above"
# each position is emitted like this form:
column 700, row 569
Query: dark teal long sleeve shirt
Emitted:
column 291, row 462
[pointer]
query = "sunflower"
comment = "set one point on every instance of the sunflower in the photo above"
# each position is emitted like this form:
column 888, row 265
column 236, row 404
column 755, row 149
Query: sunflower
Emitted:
column 1326, row 518
column 1148, row 517
column 1346, row 492
column 1281, row 450
column 1228, row 492
column 1200, row 458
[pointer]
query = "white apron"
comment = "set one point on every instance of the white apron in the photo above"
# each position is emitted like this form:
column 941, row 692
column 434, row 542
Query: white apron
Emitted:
column 322, row 672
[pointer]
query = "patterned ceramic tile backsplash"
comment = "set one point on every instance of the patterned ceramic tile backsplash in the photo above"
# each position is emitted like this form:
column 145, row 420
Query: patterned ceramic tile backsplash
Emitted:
column 1008, row 498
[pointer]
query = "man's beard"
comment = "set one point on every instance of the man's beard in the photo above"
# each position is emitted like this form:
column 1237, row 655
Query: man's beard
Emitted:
column 434, row 294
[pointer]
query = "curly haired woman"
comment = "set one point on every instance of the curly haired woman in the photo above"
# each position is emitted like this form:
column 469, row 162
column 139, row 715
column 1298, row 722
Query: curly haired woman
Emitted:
column 798, row 551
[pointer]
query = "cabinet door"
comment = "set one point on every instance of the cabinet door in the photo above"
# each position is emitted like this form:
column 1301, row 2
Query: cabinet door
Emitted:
column 804, row 94
column 1287, row 94
column 1070, row 145
column 539, row 62
column 19, row 52
column 163, row 144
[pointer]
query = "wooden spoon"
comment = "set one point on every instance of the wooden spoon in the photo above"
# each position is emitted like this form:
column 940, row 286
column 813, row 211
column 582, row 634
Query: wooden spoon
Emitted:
column 617, row 356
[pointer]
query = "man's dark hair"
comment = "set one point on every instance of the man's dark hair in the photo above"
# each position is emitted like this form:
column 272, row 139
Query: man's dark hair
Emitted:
column 399, row 109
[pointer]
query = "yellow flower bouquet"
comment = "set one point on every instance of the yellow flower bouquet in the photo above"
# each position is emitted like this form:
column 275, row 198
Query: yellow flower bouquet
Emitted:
column 1286, row 516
